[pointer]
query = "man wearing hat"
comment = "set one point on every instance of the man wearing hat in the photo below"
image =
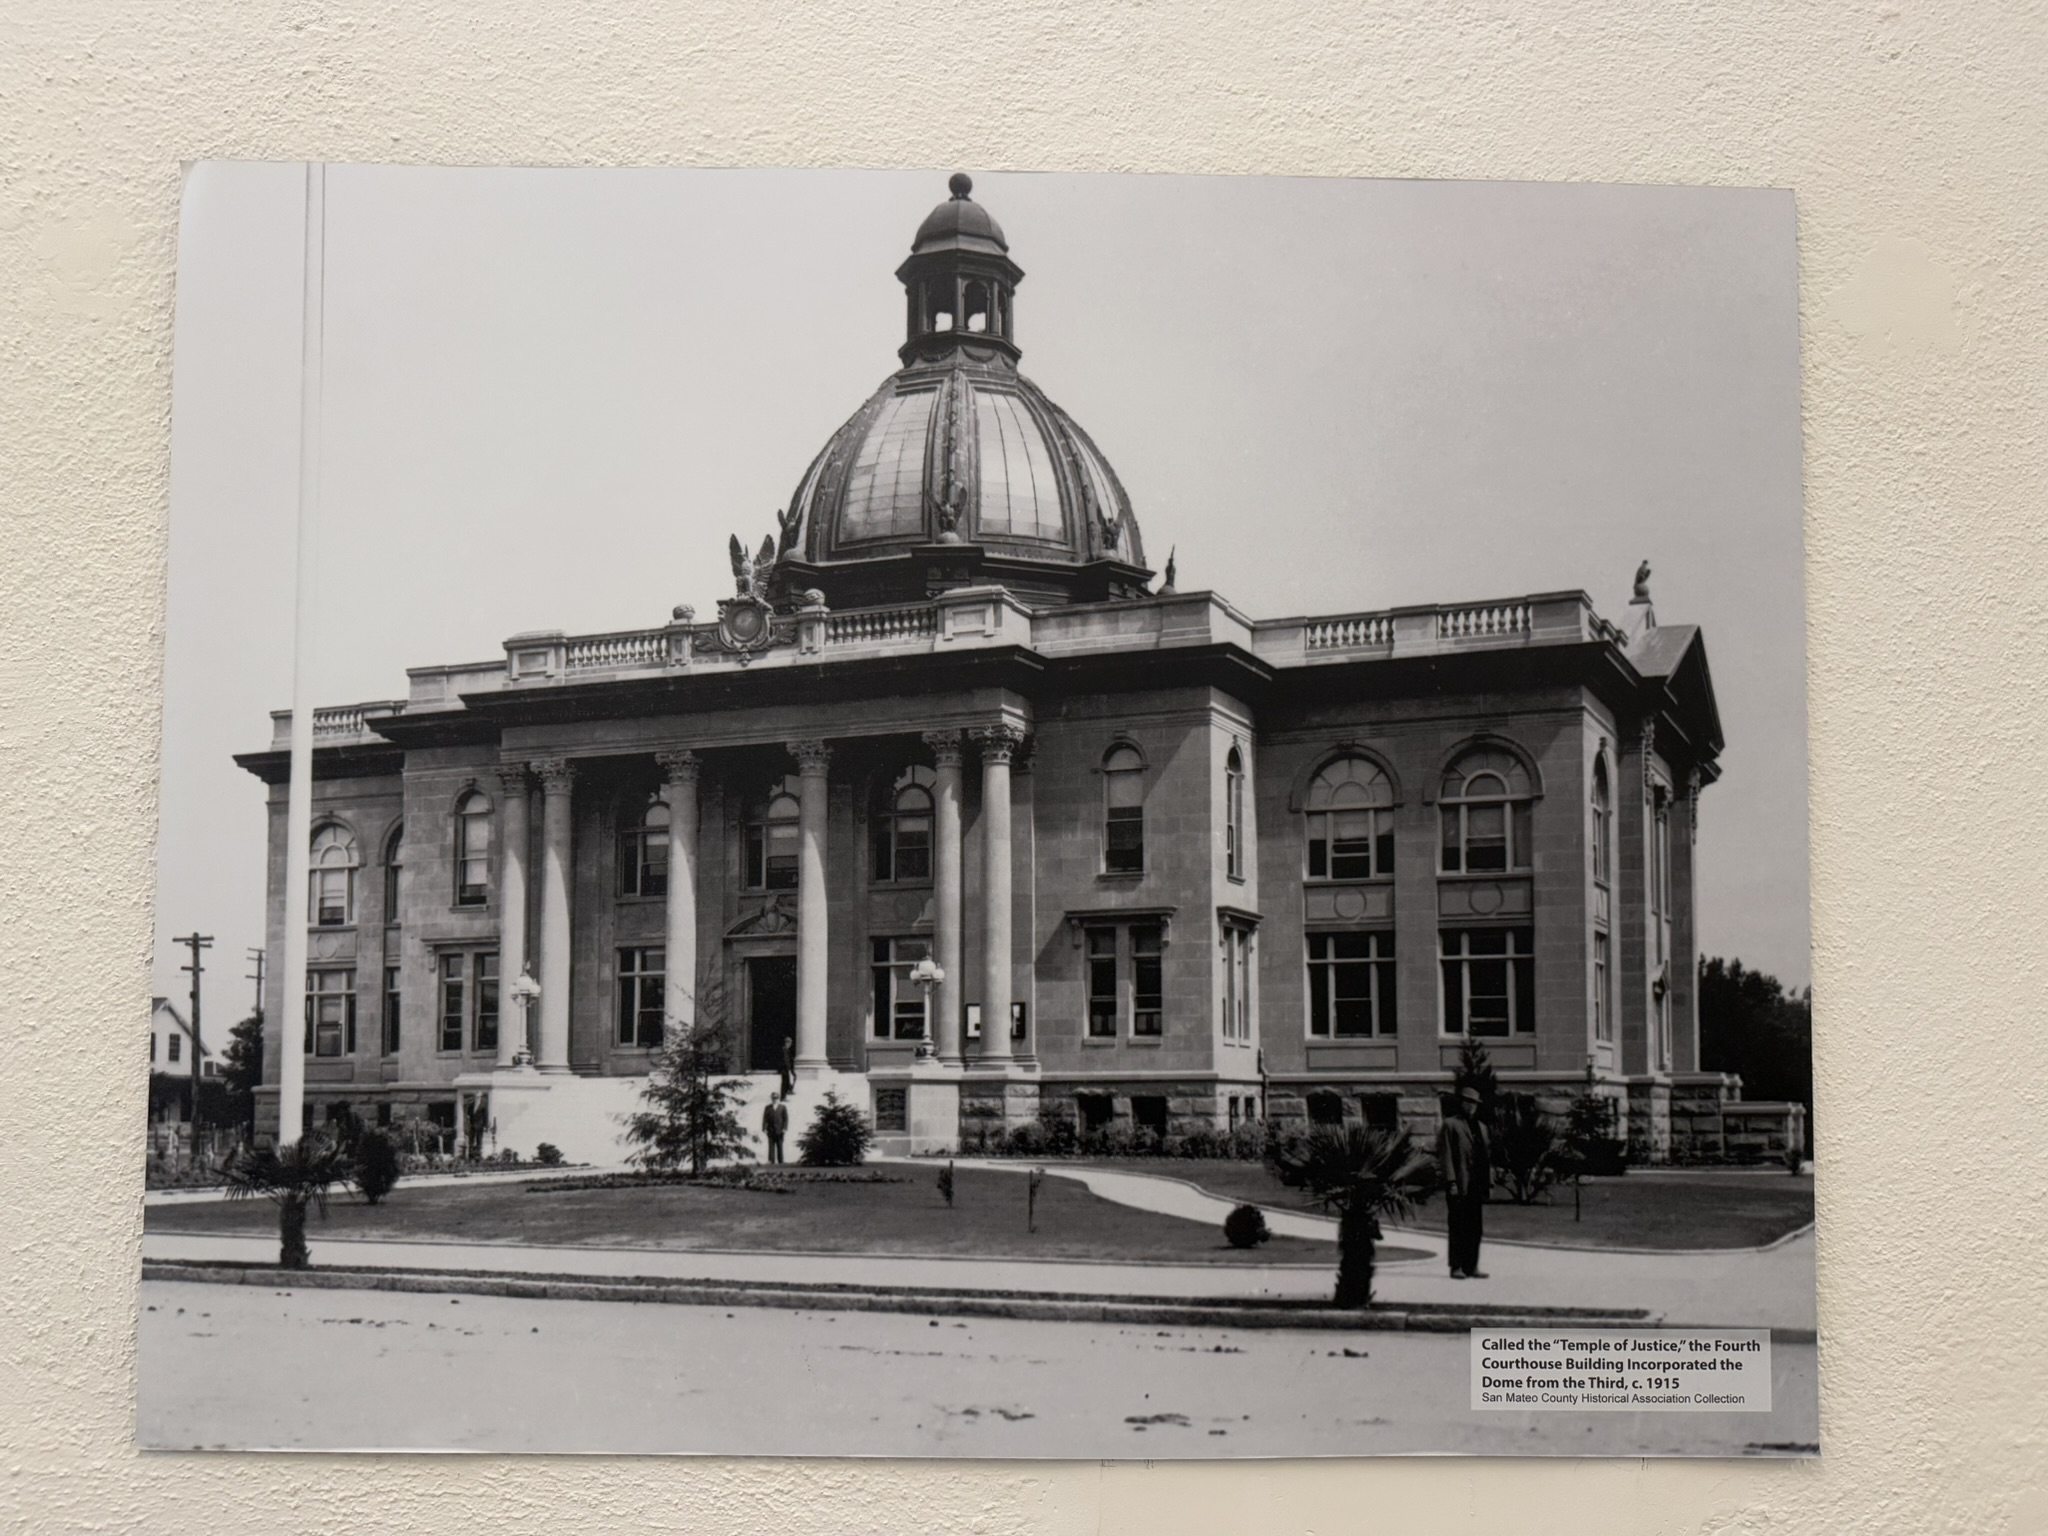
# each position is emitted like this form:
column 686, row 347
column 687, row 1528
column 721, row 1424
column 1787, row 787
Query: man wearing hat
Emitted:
column 1465, row 1159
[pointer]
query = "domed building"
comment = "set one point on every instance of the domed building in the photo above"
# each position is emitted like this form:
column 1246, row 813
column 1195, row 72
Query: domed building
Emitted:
column 955, row 808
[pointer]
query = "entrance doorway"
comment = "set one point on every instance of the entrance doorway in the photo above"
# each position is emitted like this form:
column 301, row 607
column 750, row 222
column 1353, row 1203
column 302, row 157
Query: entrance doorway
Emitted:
column 771, row 1010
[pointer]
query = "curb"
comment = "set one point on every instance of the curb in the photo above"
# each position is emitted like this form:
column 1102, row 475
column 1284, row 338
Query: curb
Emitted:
column 1044, row 1307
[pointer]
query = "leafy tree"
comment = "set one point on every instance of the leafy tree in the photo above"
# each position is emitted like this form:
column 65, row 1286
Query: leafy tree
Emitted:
column 1751, row 1025
column 838, row 1135
column 1362, row 1175
column 376, row 1165
column 241, row 1072
column 293, row 1176
column 693, row 1116
column 1528, row 1151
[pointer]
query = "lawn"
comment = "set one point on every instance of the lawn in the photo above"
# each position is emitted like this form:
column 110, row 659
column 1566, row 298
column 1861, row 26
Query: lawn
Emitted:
column 904, row 1216
column 1650, row 1208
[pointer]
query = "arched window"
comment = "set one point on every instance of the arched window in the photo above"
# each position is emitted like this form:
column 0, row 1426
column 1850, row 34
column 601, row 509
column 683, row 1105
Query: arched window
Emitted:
column 975, row 308
column 773, row 839
column 1350, row 822
column 331, row 902
column 1123, row 827
column 643, row 846
column 1603, row 826
column 391, row 871
column 472, row 850
column 1233, row 815
column 1486, row 821
column 900, row 827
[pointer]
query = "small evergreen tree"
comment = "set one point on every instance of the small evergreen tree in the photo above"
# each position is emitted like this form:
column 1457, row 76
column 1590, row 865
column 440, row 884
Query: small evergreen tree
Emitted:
column 376, row 1165
column 241, row 1072
column 837, row 1137
column 693, row 1118
column 1475, row 1070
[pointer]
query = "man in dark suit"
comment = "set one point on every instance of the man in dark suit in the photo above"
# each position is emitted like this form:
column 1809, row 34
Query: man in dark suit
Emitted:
column 1464, row 1156
column 775, row 1125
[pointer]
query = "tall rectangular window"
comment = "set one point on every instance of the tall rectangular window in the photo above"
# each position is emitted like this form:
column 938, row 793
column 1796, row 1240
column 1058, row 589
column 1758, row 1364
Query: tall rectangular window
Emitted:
column 1233, row 816
column 1603, row 1017
column 330, row 1013
column 1351, row 985
column 484, row 1025
column 171, row 1047
column 899, row 1002
column 1102, row 983
column 454, row 1000
column 1123, row 827
column 392, row 1006
column 1237, row 982
column 1489, row 981
column 641, row 982
column 1148, row 979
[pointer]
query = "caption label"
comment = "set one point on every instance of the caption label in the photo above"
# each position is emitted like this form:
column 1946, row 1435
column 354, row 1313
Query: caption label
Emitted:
column 1649, row 1370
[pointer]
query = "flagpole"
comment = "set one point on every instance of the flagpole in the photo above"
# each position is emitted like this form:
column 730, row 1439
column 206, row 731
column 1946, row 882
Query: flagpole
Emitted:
column 298, row 817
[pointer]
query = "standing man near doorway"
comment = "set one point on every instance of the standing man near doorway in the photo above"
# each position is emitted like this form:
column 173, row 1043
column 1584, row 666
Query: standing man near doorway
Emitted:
column 1464, row 1157
column 775, row 1125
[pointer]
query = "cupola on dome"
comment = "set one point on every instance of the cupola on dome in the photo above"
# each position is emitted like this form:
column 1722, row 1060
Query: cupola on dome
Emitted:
column 959, row 470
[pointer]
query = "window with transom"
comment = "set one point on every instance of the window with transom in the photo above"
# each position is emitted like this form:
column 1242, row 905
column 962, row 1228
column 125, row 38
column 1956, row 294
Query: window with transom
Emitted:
column 472, row 850
column 1350, row 821
column 643, row 846
column 1485, row 807
column 1351, row 985
column 469, row 1000
column 774, row 838
column 1489, row 981
column 332, row 898
column 330, row 1013
column 900, row 828
column 642, row 983
column 901, row 1006
column 1123, row 830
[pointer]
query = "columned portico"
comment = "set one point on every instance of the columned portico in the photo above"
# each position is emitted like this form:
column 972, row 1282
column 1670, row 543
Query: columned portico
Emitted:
column 557, row 776
column 679, row 996
column 998, row 744
column 946, row 754
column 512, row 904
column 813, row 953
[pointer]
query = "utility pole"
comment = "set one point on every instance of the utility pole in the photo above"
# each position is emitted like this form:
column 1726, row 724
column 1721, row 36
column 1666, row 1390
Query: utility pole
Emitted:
column 196, row 942
column 257, row 976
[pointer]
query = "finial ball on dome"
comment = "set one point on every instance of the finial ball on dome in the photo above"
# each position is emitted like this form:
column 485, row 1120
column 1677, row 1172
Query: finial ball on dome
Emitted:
column 961, row 184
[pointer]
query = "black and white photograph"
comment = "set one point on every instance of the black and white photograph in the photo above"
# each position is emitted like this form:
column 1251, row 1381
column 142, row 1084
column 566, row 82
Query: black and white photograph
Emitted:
column 941, row 813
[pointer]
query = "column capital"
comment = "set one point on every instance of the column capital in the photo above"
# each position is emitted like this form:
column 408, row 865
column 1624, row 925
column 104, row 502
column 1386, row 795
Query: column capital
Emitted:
column 947, row 747
column 812, row 756
column 556, row 774
column 513, row 778
column 679, row 766
column 999, row 742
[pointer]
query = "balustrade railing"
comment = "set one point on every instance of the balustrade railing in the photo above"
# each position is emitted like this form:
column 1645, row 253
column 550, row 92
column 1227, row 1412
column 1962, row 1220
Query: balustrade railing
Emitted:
column 611, row 653
column 878, row 625
column 1482, row 620
column 1349, row 632
column 341, row 720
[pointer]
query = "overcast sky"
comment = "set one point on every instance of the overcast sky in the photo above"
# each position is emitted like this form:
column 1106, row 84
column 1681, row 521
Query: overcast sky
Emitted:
column 551, row 395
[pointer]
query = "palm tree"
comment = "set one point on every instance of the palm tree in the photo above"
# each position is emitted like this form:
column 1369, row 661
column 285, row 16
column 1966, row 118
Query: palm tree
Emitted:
column 1362, row 1175
column 294, row 1176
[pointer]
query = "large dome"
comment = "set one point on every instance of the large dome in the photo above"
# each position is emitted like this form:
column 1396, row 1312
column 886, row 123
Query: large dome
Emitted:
column 958, row 469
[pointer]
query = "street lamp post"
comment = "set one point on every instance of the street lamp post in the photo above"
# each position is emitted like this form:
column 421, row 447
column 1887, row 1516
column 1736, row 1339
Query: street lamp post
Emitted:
column 928, row 975
column 525, row 991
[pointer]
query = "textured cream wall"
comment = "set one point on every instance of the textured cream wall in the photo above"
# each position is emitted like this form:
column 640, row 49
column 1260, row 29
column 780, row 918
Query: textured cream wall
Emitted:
column 1914, row 136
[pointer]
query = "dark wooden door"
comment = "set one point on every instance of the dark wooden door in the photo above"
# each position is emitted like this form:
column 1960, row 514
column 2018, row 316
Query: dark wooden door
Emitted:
column 771, row 1010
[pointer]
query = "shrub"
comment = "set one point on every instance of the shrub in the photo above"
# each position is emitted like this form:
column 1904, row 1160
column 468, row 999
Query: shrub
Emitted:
column 1591, row 1149
column 1246, row 1142
column 1530, row 1156
column 1200, row 1142
column 1245, row 1226
column 946, row 1184
column 548, row 1153
column 1062, row 1137
column 838, row 1135
column 376, row 1164
column 1026, row 1140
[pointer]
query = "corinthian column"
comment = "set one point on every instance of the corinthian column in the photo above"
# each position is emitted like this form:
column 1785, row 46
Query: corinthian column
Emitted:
column 812, row 953
column 998, row 744
column 679, row 989
column 557, row 777
column 512, row 909
column 946, row 754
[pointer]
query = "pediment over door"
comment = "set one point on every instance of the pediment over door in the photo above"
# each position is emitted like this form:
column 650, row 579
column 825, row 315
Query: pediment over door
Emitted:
column 772, row 918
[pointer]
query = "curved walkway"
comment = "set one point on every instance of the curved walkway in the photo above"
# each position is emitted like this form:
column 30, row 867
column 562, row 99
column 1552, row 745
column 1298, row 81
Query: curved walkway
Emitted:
column 1771, row 1287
